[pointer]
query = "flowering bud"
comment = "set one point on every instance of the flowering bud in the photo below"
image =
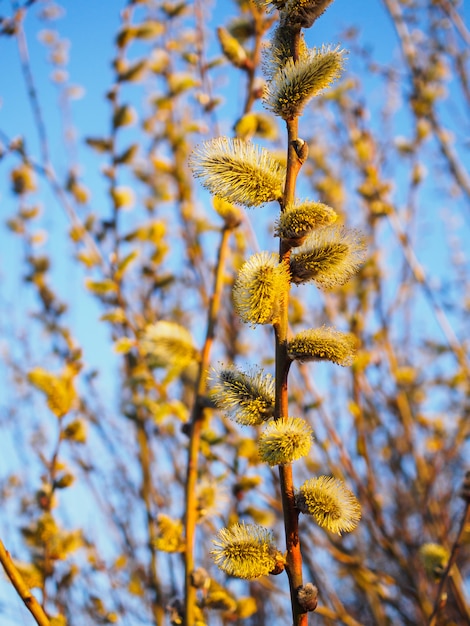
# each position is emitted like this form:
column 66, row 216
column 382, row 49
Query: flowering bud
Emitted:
column 238, row 171
column 232, row 49
column 329, row 257
column 246, row 551
column 260, row 287
column 300, row 219
column 284, row 441
column 330, row 502
column 296, row 82
column 323, row 344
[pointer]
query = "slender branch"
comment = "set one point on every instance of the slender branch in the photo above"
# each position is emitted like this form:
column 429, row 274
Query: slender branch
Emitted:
column 52, row 466
column 47, row 171
column 261, row 25
column 410, row 55
column 410, row 256
column 46, row 167
column 439, row 602
column 28, row 76
column 200, row 14
column 458, row 172
column 196, row 427
column 22, row 588
column 290, row 513
column 456, row 584
column 457, row 20
column 420, row 276
column 145, row 462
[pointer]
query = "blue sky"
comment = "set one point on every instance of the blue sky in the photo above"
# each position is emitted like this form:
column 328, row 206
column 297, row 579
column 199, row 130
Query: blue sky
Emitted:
column 90, row 26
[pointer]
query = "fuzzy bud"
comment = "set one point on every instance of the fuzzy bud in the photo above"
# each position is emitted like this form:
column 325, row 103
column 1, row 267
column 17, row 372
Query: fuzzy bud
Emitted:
column 434, row 558
column 307, row 596
column 169, row 534
column 200, row 578
column 300, row 219
column 246, row 551
column 238, row 171
column 258, row 291
column 284, row 441
column 168, row 345
column 232, row 49
column 296, row 82
column 331, row 504
column 303, row 13
column 323, row 344
column 329, row 257
column 246, row 397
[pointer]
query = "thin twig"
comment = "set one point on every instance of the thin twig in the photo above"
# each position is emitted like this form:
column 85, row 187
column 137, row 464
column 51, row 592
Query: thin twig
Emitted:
column 47, row 171
column 22, row 588
column 420, row 277
column 28, row 77
column 196, row 426
column 438, row 603
column 290, row 513
column 410, row 55
column 145, row 461
column 457, row 20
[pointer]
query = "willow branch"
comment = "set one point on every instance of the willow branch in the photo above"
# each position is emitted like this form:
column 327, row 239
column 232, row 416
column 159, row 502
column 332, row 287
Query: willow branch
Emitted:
column 438, row 603
column 145, row 462
column 457, row 20
column 21, row 587
column 260, row 25
column 48, row 173
column 196, row 427
column 420, row 277
column 410, row 54
column 290, row 512
column 30, row 86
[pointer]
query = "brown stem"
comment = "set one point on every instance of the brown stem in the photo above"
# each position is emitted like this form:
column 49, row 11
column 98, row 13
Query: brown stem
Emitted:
column 48, row 569
column 457, row 586
column 447, row 572
column 145, row 462
column 30, row 86
column 290, row 512
column 293, row 162
column 421, row 278
column 45, row 167
column 195, row 431
column 410, row 54
column 260, row 26
column 21, row 587
column 113, row 97
column 294, row 555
